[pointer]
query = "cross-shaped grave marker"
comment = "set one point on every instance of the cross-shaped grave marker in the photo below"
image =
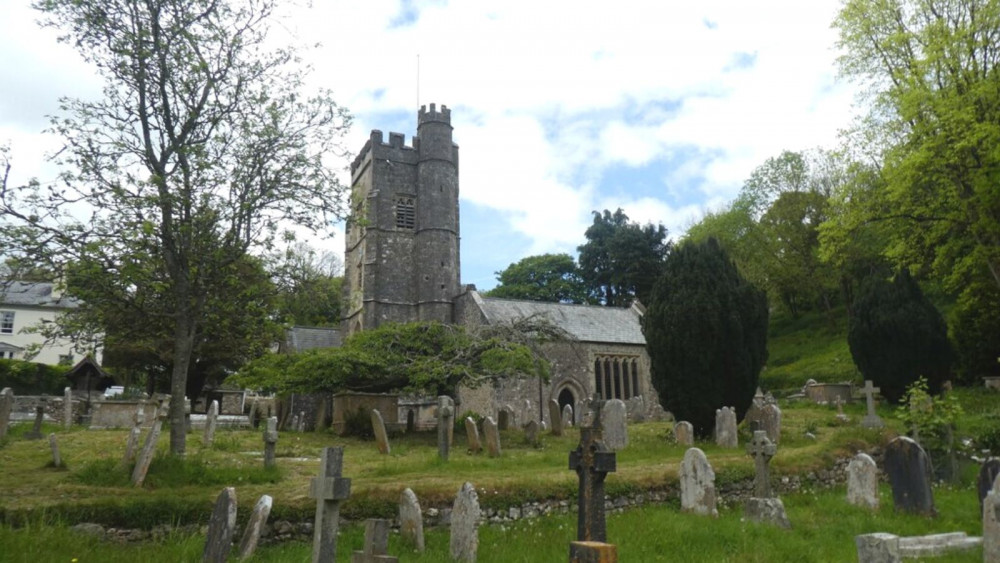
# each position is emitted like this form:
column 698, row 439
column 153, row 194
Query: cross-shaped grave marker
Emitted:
column 871, row 420
column 592, row 462
column 761, row 450
column 376, row 548
column 329, row 489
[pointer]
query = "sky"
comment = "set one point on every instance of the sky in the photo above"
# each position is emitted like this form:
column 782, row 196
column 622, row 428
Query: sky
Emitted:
column 559, row 108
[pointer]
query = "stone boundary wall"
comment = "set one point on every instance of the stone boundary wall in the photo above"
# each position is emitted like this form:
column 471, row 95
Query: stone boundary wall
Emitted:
column 24, row 408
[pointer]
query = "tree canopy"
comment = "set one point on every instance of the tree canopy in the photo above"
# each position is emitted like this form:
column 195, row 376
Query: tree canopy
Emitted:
column 547, row 277
column 621, row 260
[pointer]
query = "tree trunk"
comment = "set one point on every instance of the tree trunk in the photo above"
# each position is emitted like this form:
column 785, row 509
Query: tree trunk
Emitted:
column 183, row 345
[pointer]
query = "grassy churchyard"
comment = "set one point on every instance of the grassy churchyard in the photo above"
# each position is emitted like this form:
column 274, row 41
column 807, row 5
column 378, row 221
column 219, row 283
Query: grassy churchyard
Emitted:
column 39, row 503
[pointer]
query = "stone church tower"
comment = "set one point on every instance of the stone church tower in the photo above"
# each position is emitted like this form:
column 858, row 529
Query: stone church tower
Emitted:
column 402, row 258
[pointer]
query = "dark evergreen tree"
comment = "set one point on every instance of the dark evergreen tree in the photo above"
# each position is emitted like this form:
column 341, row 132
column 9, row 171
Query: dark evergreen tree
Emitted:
column 706, row 332
column 896, row 335
column 621, row 260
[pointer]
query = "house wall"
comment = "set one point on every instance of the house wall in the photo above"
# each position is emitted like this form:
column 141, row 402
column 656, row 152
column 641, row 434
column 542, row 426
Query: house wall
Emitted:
column 25, row 317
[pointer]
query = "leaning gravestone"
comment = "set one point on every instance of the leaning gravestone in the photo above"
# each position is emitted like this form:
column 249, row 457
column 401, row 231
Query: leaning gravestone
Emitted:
column 862, row 481
column 909, row 471
column 270, row 441
column 770, row 420
column 555, row 415
column 697, row 484
column 148, row 449
column 725, row 428
column 492, row 437
column 329, row 489
column 991, row 523
column 764, row 506
column 531, row 432
column 67, row 407
column 614, row 425
column 472, row 435
column 464, row 524
column 6, row 405
column 684, row 433
column 36, row 430
column 134, row 434
column 258, row 519
column 54, row 446
column 987, row 476
column 210, row 421
column 381, row 438
column 567, row 416
column 445, row 416
column 219, row 540
column 376, row 548
column 411, row 520
column 872, row 419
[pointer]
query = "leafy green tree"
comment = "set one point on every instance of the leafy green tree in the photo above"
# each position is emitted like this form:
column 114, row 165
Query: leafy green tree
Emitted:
column 309, row 286
column 621, row 260
column 975, row 330
column 706, row 333
column 548, row 277
column 201, row 147
column 896, row 335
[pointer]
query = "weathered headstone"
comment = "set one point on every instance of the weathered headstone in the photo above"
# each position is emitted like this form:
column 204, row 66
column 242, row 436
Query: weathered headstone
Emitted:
column 637, row 409
column 991, row 523
column 505, row 418
column 411, row 520
column 614, row 425
column 909, row 471
column 381, row 437
column 445, row 418
column 987, row 476
column 219, row 540
column 592, row 552
column 465, row 524
column 67, row 407
column 697, row 484
column 210, row 420
column 376, row 549
column 329, row 489
column 862, row 481
column 592, row 462
column 134, row 434
column 6, row 406
column 491, row 435
column 879, row 547
column 567, row 415
column 295, row 423
column 684, row 433
column 764, row 506
column 770, row 419
column 872, row 419
column 555, row 416
column 725, row 428
column 54, row 446
column 472, row 435
column 753, row 416
column 302, row 421
column 258, row 519
column 148, row 449
column 36, row 430
column 270, row 441
column 531, row 432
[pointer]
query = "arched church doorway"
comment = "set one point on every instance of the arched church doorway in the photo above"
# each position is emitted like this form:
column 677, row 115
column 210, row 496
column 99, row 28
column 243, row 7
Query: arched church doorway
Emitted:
column 566, row 398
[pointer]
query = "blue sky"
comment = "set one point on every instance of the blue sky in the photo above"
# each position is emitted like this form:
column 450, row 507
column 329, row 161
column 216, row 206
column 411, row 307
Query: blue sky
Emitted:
column 560, row 108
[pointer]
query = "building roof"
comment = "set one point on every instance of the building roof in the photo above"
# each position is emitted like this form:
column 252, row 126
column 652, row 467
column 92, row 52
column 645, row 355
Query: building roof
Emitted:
column 302, row 338
column 34, row 294
column 587, row 323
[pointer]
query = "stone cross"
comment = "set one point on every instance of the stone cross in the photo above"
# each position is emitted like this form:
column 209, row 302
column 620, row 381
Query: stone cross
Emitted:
column 761, row 450
column 592, row 462
column 56, row 458
column 258, row 519
column 376, row 548
column 871, row 420
column 6, row 405
column 210, row 420
column 445, row 417
column 67, row 407
column 329, row 489
column 36, row 430
column 221, row 526
column 270, row 441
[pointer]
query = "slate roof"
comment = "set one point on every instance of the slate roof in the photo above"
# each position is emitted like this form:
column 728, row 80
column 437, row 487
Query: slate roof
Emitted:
column 302, row 338
column 33, row 294
column 587, row 323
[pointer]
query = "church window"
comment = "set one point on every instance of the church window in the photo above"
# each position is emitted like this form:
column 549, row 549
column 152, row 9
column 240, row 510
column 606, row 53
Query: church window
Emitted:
column 405, row 213
column 616, row 377
column 6, row 322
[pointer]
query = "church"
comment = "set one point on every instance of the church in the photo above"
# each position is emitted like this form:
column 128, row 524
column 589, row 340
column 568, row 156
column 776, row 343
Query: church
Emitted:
column 401, row 264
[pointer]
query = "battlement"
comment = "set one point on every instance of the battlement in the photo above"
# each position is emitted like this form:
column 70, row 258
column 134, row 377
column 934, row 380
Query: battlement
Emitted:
column 376, row 139
column 425, row 116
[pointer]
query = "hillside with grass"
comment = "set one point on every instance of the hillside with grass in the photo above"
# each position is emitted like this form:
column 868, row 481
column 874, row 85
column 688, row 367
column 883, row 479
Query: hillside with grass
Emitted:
column 811, row 346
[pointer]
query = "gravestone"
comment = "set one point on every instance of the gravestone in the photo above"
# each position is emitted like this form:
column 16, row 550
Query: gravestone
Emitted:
column 567, row 415
column 684, row 433
column 148, row 449
column 614, row 425
column 6, row 405
column 36, row 429
column 987, row 476
column 725, row 428
column 210, row 420
column 637, row 409
column 764, row 506
column 592, row 462
column 270, row 441
column 754, row 412
column 862, row 481
column 381, row 438
column 770, row 421
column 879, row 547
column 464, row 524
column 909, row 471
column 329, row 489
column 531, row 432
column 67, row 407
column 258, row 519
column 592, row 552
column 504, row 418
column 555, row 416
column 991, row 523
column 295, row 423
column 219, row 540
column 411, row 520
column 445, row 417
column 472, row 435
column 491, row 434
column 697, row 484
column 376, row 549
column 131, row 444
column 54, row 446
column 871, row 420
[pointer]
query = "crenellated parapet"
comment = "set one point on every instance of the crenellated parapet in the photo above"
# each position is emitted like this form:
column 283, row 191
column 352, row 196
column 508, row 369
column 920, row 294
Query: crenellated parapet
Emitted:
column 433, row 115
column 397, row 142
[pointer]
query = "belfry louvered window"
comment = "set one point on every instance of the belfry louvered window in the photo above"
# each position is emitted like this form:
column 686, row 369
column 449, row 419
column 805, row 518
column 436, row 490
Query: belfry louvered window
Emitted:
column 405, row 212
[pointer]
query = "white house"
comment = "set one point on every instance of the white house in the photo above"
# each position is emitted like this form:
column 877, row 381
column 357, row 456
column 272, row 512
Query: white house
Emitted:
column 28, row 304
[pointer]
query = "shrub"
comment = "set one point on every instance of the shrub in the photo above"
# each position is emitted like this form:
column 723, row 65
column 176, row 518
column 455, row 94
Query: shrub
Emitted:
column 975, row 329
column 358, row 423
column 30, row 378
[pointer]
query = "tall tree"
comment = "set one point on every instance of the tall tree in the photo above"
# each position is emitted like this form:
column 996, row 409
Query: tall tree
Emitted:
column 621, row 260
column 706, row 334
column 309, row 286
column 200, row 147
column 547, row 277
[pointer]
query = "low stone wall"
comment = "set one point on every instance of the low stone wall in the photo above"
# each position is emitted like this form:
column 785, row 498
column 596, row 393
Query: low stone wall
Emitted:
column 121, row 414
column 24, row 408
